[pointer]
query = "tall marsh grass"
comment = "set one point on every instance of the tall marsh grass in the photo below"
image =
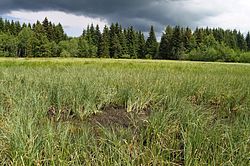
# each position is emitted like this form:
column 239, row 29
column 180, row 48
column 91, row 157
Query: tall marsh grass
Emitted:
column 199, row 112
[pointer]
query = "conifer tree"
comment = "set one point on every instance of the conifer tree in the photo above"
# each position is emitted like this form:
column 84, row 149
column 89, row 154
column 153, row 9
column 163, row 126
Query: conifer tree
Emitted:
column 51, row 32
column 12, row 29
column 141, row 45
column 248, row 41
column 24, row 25
column 112, row 33
column 29, row 25
column 199, row 36
column 1, row 25
column 92, row 30
column 131, row 42
column 88, row 36
column 187, row 40
column 84, row 48
column 117, row 28
column 165, row 48
column 218, row 34
column 231, row 39
column 18, row 27
column 123, row 42
column 97, row 40
column 45, row 25
column 41, row 41
column 6, row 26
column 151, row 44
column 241, row 42
column 177, row 44
column 59, row 33
column 116, row 47
column 104, row 45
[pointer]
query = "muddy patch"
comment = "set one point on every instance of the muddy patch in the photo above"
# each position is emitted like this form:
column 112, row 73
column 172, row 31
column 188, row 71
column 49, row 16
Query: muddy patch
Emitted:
column 117, row 116
column 109, row 116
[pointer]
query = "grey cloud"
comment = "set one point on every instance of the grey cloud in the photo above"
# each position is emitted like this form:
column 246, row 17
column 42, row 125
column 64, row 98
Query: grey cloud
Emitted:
column 139, row 13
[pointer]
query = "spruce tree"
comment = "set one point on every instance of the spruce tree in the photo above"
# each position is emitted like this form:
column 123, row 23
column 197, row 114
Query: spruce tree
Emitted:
column 38, row 28
column 59, row 33
column 248, row 41
column 97, row 40
column 89, row 34
column 104, row 45
column 232, row 39
column 45, row 25
column 166, row 44
column 1, row 25
column 92, row 31
column 12, row 29
column 123, row 42
column 241, row 42
column 18, row 27
column 177, row 44
column 218, row 34
column 188, row 40
column 117, row 28
column 199, row 36
column 141, row 46
column 151, row 44
column 112, row 33
column 116, row 47
column 41, row 41
column 29, row 25
column 6, row 26
column 131, row 42
column 24, row 25
column 51, row 32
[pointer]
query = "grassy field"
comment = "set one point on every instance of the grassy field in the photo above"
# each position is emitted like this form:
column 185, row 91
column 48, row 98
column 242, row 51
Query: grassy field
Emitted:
column 123, row 112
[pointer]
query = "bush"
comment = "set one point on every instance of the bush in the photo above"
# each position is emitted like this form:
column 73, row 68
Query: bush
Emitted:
column 125, row 56
column 244, row 57
column 148, row 56
column 65, row 54
column 226, row 54
column 194, row 55
column 212, row 50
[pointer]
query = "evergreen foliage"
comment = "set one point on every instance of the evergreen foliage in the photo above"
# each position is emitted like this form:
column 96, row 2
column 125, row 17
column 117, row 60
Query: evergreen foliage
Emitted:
column 151, row 44
column 104, row 45
column 166, row 44
column 45, row 39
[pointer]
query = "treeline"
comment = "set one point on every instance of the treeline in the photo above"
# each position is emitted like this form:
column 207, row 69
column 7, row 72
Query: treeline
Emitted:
column 45, row 39
column 37, row 40
column 204, row 44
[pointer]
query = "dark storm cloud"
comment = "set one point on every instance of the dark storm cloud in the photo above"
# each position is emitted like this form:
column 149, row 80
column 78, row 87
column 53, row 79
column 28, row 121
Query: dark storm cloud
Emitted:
column 139, row 13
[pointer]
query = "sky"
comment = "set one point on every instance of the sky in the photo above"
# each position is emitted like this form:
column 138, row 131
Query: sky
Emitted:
column 75, row 15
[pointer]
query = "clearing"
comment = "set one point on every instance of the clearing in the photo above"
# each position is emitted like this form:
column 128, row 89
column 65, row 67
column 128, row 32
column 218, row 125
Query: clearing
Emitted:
column 123, row 112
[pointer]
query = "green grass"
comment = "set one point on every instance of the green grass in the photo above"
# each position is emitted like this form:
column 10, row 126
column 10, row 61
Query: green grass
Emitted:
column 200, row 112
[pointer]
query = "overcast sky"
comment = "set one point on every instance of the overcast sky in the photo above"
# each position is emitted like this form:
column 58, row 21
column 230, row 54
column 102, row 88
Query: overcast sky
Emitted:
column 77, row 14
